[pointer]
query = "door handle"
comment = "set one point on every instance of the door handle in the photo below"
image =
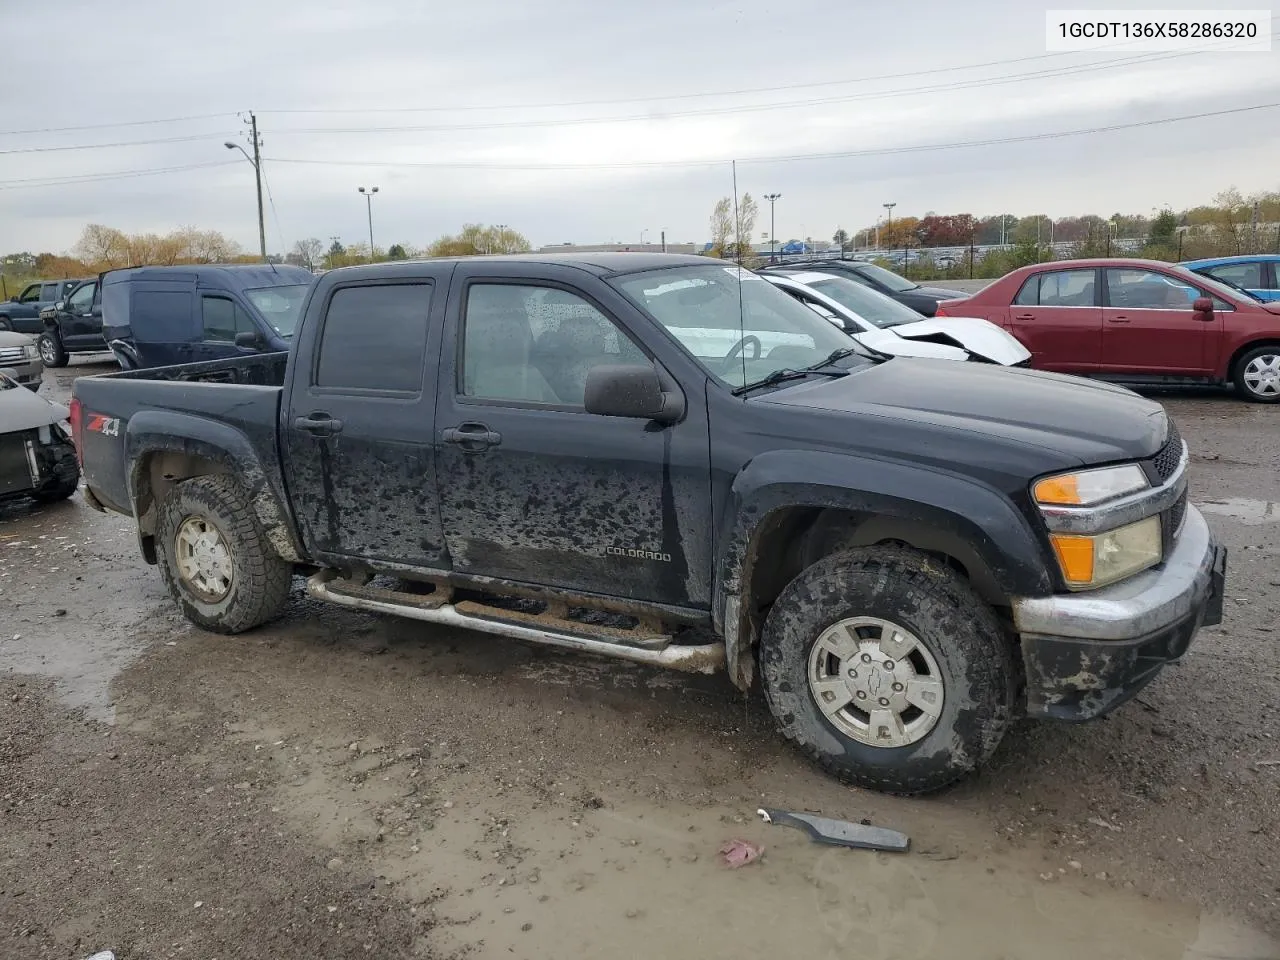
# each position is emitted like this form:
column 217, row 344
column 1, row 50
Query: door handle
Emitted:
column 472, row 437
column 1119, row 319
column 319, row 424
column 1025, row 316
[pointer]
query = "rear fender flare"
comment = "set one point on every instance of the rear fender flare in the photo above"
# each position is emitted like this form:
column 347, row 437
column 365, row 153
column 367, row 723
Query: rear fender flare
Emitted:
column 158, row 431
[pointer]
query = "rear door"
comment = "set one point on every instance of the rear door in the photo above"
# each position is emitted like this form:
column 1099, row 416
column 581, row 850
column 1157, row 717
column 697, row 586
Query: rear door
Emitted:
column 1150, row 328
column 162, row 320
column 357, row 433
column 1057, row 317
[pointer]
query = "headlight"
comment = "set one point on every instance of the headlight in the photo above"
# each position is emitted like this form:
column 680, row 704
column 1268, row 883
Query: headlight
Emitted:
column 1095, row 561
column 1085, row 488
column 30, row 351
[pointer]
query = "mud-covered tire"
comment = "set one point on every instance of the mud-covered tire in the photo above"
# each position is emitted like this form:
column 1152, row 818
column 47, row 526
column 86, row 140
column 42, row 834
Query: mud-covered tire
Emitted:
column 65, row 479
column 52, row 352
column 1254, row 374
column 960, row 632
column 259, row 580
column 4, row 324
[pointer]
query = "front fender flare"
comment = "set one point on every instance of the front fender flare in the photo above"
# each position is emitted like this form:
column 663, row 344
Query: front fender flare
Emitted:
column 891, row 495
column 156, row 431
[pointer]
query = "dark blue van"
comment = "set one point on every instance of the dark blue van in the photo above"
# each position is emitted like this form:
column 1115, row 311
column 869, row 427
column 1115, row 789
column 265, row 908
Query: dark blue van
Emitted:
column 156, row 316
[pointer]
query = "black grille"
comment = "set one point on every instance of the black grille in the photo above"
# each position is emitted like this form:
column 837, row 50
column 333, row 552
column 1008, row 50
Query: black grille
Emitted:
column 1176, row 513
column 1170, row 455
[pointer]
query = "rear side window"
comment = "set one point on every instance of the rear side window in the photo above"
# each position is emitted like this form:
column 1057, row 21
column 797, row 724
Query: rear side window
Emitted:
column 223, row 319
column 162, row 316
column 375, row 338
column 1058, row 288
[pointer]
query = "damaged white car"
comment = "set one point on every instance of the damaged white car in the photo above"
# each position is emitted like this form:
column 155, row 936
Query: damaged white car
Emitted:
column 883, row 324
column 37, row 457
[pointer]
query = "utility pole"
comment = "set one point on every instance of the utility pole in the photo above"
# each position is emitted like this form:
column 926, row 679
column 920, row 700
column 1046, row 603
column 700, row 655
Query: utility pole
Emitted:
column 888, row 226
column 773, row 228
column 664, row 241
column 256, row 161
column 368, row 202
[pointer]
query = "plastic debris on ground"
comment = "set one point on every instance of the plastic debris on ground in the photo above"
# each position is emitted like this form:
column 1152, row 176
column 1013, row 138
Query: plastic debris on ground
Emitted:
column 738, row 853
column 840, row 833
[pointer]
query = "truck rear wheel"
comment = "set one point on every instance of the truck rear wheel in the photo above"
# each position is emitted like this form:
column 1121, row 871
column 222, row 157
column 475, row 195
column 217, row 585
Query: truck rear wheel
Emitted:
column 215, row 558
column 888, row 669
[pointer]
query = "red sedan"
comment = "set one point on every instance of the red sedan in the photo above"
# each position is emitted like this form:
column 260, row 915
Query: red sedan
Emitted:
column 1135, row 321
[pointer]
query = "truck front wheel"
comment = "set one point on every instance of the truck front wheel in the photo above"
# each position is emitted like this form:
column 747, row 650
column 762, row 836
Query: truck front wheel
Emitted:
column 888, row 669
column 215, row 558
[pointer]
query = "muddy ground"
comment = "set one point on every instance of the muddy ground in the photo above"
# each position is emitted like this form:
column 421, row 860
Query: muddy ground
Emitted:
column 343, row 785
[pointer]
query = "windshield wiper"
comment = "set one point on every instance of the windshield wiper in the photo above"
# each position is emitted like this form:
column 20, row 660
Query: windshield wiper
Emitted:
column 787, row 373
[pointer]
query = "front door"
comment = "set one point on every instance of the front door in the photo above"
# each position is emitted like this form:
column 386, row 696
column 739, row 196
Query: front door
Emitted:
column 80, row 321
column 1056, row 316
column 222, row 319
column 535, row 489
column 358, row 423
column 1150, row 328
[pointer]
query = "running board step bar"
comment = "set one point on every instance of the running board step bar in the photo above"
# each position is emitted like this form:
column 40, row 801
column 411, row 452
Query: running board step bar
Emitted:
column 327, row 585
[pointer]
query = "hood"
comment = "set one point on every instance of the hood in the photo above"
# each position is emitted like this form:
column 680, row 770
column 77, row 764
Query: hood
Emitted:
column 1271, row 306
column 1082, row 421
column 983, row 340
column 940, row 293
column 20, row 409
column 10, row 339
column 888, row 340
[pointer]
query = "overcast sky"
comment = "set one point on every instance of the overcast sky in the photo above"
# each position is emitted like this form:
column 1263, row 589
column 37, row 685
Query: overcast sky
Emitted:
column 327, row 80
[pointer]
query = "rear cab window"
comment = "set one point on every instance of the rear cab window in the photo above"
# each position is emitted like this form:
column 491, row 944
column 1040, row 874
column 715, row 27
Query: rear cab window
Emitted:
column 374, row 338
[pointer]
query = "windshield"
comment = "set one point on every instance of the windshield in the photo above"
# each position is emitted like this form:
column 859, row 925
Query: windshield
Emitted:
column 886, row 278
column 738, row 342
column 1218, row 285
column 870, row 305
column 279, row 305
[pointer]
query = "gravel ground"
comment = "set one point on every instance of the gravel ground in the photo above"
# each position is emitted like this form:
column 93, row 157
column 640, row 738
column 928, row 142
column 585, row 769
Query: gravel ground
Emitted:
column 344, row 785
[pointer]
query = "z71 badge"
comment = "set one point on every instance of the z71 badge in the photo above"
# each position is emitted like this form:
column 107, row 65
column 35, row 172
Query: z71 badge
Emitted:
column 107, row 426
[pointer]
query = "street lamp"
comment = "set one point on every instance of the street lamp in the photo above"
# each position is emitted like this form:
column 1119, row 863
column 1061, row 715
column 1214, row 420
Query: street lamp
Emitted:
column 255, row 162
column 773, row 233
column 368, row 202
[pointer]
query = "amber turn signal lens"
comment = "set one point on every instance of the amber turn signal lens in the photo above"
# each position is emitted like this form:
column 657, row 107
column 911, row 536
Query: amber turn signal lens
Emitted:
column 1063, row 490
column 1075, row 556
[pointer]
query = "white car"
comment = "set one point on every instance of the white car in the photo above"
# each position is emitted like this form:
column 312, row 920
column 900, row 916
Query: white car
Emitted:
column 884, row 324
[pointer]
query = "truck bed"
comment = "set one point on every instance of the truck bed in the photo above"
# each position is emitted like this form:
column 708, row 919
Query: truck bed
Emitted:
column 120, row 411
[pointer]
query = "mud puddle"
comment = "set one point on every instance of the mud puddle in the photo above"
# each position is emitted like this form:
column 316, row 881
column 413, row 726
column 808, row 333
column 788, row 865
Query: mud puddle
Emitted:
column 1242, row 509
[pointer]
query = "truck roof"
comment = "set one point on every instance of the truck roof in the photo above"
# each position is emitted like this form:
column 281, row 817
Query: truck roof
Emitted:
column 242, row 275
column 601, row 264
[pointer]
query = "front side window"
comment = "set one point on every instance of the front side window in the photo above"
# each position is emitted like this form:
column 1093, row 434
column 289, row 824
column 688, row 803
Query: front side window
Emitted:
column 739, row 327
column 223, row 319
column 31, row 294
column 81, row 300
column 1147, row 290
column 375, row 338
column 532, row 344
column 1246, row 275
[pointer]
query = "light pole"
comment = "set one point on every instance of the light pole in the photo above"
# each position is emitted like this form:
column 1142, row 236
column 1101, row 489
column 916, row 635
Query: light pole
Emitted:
column 773, row 233
column 368, row 202
column 642, row 233
column 888, row 227
column 256, row 162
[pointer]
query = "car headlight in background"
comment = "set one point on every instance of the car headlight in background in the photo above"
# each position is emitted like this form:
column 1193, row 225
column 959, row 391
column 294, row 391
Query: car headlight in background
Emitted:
column 1087, row 488
column 30, row 351
column 1104, row 558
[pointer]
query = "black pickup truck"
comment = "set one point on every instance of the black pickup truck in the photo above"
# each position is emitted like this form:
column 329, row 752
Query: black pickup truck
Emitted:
column 668, row 460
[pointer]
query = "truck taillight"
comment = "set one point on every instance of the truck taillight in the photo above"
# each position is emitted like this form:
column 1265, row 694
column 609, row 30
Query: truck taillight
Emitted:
column 77, row 427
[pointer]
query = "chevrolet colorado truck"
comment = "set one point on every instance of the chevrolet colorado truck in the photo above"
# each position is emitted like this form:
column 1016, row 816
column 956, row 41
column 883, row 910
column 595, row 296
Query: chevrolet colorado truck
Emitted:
column 907, row 554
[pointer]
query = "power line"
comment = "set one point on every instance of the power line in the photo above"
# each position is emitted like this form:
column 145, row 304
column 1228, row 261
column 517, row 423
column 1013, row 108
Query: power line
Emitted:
column 834, row 155
column 742, row 91
column 108, row 126
column 73, row 179
column 122, row 143
column 744, row 108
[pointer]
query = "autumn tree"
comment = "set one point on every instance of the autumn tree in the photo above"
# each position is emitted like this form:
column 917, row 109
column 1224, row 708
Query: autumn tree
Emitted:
column 308, row 252
column 841, row 239
column 475, row 239
column 397, row 252
column 721, row 227
column 103, row 247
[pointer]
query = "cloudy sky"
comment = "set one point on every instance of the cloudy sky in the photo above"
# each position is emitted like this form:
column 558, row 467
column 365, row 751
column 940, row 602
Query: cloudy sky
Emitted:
column 591, row 120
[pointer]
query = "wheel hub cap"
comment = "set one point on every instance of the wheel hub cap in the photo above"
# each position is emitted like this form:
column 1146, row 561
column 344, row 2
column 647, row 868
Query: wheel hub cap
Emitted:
column 204, row 562
column 1262, row 375
column 876, row 682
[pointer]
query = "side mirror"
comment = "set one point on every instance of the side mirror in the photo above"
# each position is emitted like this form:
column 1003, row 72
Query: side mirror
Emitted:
column 1202, row 305
column 250, row 339
column 631, row 390
column 59, row 305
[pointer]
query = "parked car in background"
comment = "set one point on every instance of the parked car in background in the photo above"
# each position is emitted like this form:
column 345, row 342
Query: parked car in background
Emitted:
column 923, row 300
column 37, row 458
column 20, row 359
column 73, row 325
column 153, row 316
column 1136, row 321
column 1258, row 274
column 22, row 313
column 888, row 326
